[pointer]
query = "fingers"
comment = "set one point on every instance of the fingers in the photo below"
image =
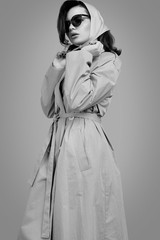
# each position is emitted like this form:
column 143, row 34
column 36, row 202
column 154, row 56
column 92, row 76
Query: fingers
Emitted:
column 93, row 42
column 95, row 48
column 61, row 54
column 99, row 46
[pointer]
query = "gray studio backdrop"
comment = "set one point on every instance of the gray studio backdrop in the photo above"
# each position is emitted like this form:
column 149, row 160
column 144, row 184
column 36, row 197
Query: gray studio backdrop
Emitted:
column 28, row 43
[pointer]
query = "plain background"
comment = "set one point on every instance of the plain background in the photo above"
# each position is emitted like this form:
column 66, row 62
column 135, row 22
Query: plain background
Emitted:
column 28, row 44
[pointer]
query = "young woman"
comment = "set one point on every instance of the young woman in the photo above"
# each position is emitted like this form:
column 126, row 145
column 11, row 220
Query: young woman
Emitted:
column 76, row 191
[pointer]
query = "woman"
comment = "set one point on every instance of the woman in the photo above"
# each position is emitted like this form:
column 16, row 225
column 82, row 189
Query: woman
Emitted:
column 76, row 191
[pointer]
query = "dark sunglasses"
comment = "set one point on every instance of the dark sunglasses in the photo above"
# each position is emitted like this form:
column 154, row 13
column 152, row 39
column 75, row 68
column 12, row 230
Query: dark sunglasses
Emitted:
column 76, row 21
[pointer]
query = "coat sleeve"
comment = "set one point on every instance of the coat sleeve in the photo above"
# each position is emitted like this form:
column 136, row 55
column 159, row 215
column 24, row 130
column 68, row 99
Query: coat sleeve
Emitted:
column 84, row 88
column 50, row 80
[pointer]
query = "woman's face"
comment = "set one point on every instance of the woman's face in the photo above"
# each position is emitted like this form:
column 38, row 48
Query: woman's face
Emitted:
column 80, row 34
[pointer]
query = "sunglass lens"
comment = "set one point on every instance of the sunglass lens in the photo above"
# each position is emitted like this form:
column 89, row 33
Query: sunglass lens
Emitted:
column 76, row 21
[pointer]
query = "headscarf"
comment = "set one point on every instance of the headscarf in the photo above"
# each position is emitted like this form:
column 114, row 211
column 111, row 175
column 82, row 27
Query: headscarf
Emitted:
column 97, row 23
column 97, row 26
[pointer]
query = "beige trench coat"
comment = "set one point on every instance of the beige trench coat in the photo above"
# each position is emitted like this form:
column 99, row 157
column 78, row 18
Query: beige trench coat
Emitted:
column 76, row 191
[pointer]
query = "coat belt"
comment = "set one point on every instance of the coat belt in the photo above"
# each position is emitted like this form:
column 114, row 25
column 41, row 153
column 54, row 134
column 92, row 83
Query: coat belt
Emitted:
column 48, row 209
column 72, row 115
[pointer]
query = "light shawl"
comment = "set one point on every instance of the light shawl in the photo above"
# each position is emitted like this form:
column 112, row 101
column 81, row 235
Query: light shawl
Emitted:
column 97, row 23
column 97, row 26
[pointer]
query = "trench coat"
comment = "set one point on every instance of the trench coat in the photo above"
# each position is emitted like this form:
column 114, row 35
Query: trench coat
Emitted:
column 76, row 191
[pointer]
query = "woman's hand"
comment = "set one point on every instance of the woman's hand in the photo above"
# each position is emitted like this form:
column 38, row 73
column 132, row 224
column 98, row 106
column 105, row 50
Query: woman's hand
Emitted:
column 95, row 48
column 60, row 61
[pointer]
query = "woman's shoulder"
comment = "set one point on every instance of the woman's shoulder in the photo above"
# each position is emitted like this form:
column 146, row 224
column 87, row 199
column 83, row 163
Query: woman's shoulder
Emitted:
column 106, row 57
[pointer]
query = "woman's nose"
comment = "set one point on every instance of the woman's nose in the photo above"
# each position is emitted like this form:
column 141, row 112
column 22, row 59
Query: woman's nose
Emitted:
column 71, row 26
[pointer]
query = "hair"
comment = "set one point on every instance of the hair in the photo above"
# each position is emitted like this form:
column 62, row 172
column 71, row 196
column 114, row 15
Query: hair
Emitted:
column 107, row 39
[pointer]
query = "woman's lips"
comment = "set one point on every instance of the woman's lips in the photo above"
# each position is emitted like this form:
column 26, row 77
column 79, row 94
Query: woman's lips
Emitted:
column 74, row 35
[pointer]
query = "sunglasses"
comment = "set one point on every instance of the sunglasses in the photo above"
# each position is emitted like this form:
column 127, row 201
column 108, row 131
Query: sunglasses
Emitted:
column 76, row 21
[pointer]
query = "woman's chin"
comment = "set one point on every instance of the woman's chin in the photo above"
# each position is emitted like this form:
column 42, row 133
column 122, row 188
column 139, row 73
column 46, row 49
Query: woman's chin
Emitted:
column 77, row 42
